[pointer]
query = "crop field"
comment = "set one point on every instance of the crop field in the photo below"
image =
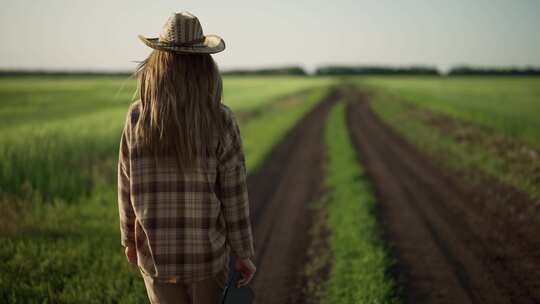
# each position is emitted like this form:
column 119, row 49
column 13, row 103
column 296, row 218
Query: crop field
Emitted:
column 68, row 128
column 480, row 126
column 362, row 189
column 509, row 105
column 58, row 149
column 55, row 98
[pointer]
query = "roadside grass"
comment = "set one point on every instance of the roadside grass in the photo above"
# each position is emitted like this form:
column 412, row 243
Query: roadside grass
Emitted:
column 510, row 105
column 359, row 261
column 69, row 254
column 60, row 231
column 473, row 150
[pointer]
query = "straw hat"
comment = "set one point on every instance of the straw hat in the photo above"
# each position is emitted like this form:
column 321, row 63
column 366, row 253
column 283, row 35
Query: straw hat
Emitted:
column 183, row 34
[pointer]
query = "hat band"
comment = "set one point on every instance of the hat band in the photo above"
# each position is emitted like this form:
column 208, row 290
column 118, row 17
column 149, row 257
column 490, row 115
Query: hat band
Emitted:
column 187, row 43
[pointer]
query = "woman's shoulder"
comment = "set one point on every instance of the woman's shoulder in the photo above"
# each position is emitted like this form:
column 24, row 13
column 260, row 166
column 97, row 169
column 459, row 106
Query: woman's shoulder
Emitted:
column 134, row 110
column 135, row 106
column 228, row 114
column 226, row 110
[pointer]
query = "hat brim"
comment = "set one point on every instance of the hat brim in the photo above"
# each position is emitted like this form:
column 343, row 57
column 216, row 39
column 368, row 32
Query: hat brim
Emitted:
column 211, row 44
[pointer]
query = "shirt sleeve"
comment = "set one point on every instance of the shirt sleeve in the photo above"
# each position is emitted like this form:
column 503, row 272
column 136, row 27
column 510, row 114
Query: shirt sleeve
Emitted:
column 125, row 208
column 233, row 192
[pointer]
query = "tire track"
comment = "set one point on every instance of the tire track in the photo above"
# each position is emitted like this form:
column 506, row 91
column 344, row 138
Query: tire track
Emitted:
column 279, row 192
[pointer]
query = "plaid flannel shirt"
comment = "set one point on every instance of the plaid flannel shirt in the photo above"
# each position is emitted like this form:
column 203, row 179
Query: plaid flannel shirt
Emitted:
column 183, row 224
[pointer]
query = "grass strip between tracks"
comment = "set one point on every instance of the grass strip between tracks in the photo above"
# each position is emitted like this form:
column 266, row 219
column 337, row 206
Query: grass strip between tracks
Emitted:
column 359, row 269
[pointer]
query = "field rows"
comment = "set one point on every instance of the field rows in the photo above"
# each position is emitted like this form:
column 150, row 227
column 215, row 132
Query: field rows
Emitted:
column 393, row 139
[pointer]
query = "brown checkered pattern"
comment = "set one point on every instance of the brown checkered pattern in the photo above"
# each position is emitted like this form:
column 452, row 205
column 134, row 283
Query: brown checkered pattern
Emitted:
column 183, row 223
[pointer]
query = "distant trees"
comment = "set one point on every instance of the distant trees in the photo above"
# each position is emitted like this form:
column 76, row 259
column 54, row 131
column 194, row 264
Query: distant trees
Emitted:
column 329, row 70
column 15, row 73
column 426, row 70
column 496, row 71
column 292, row 70
column 376, row 70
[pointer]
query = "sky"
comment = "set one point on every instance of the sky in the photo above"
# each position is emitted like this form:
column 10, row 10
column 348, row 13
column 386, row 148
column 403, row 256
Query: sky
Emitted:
column 102, row 34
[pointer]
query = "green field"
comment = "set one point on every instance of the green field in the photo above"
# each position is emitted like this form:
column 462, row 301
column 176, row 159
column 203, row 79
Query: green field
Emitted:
column 36, row 100
column 477, row 126
column 58, row 149
column 51, row 126
column 59, row 137
column 510, row 105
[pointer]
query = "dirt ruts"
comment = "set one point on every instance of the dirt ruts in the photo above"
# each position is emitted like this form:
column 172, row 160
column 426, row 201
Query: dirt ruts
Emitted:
column 279, row 193
column 448, row 247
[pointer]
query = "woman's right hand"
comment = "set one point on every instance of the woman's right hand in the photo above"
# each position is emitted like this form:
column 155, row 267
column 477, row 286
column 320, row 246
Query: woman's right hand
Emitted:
column 131, row 254
column 247, row 269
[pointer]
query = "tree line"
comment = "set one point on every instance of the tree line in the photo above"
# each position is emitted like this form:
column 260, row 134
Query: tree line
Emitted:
column 54, row 73
column 292, row 70
column 502, row 71
column 428, row 70
column 330, row 70
column 376, row 70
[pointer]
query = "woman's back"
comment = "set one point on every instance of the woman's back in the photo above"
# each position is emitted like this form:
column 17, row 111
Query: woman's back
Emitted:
column 180, row 229
column 182, row 193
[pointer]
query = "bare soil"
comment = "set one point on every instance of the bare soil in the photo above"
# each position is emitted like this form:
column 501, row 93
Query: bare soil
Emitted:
column 280, row 192
column 452, row 242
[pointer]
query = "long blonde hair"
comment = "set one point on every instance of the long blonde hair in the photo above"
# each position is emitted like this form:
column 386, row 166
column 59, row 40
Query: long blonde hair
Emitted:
column 180, row 96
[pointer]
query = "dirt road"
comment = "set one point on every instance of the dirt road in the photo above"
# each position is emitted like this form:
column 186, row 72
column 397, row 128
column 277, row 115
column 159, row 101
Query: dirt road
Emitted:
column 452, row 243
column 279, row 193
column 448, row 247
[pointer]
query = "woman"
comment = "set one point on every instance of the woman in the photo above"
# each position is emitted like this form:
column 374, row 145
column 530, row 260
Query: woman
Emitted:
column 182, row 192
